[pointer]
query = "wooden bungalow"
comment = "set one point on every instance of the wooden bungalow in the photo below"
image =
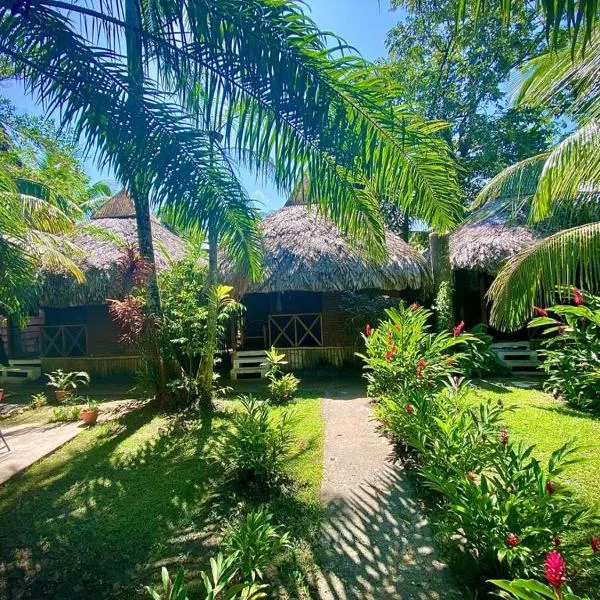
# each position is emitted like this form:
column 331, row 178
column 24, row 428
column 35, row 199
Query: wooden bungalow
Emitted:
column 477, row 251
column 78, row 332
column 309, row 265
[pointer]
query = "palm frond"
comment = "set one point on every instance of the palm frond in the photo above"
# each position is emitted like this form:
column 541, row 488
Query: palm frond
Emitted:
column 536, row 274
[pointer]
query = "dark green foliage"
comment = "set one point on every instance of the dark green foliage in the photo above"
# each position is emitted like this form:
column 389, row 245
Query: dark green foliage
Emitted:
column 572, row 351
column 255, row 447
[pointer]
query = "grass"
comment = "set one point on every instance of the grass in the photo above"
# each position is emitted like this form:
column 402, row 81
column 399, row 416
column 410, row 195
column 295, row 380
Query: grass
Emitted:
column 539, row 419
column 99, row 517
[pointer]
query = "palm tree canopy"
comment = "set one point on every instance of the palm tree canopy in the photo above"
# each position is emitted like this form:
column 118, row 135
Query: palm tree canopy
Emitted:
column 254, row 81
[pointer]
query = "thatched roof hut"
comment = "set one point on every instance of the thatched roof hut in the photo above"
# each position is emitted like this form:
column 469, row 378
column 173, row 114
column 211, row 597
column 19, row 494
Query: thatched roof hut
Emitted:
column 488, row 239
column 102, row 255
column 305, row 252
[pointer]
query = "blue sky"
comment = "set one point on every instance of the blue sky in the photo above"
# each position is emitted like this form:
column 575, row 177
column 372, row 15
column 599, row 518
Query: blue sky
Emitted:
column 362, row 23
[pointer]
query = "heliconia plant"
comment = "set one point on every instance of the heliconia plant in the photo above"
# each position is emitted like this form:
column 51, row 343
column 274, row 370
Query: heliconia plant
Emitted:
column 572, row 349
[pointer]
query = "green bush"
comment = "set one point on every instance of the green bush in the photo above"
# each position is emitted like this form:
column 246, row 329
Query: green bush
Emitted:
column 282, row 385
column 62, row 414
column 38, row 400
column 254, row 448
column 402, row 354
column 256, row 542
column 572, row 350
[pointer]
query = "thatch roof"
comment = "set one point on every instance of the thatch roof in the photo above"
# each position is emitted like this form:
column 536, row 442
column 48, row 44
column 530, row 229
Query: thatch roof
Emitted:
column 102, row 256
column 305, row 252
column 489, row 239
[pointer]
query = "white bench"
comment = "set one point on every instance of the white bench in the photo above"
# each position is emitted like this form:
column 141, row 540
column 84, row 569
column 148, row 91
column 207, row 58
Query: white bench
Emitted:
column 249, row 362
column 516, row 354
column 21, row 370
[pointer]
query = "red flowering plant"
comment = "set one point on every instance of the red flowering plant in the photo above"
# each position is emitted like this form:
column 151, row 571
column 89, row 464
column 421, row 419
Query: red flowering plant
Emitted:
column 403, row 353
column 510, row 517
column 571, row 349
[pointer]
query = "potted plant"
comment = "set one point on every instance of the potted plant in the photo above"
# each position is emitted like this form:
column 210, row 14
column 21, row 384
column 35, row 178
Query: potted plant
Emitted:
column 65, row 383
column 89, row 414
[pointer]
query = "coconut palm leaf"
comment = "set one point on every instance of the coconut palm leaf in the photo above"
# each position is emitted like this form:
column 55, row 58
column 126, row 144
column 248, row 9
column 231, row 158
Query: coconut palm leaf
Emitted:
column 533, row 276
column 577, row 16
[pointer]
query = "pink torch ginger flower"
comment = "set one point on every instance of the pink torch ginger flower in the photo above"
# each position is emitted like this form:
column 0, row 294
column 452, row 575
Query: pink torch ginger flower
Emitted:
column 555, row 568
column 512, row 540
column 540, row 312
column 458, row 329
column 577, row 297
column 504, row 437
column 368, row 330
column 595, row 543
column 550, row 487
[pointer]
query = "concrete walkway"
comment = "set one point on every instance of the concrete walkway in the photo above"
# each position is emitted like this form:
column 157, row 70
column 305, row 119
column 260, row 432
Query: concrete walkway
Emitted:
column 31, row 442
column 376, row 542
column 28, row 443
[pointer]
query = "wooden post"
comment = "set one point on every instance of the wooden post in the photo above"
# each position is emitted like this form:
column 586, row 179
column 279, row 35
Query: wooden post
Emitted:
column 439, row 252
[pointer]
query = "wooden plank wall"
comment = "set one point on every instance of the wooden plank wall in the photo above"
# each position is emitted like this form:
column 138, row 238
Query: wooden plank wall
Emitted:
column 96, row 366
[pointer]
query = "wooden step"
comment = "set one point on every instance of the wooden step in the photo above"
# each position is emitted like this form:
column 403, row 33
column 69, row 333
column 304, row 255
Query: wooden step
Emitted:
column 261, row 371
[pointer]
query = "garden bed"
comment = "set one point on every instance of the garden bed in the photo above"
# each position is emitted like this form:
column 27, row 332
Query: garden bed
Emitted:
column 100, row 516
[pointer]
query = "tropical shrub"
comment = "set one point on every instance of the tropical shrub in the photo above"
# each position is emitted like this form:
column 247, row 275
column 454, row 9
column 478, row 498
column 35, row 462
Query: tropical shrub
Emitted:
column 67, row 381
column 282, row 385
column 442, row 307
column 255, row 541
column 572, row 349
column 65, row 414
column 402, row 354
column 254, row 448
column 38, row 400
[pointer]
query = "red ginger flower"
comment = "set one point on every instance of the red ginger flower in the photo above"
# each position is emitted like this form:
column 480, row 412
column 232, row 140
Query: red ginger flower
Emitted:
column 414, row 306
column 577, row 297
column 390, row 353
column 557, row 542
column 555, row 568
column 550, row 487
column 421, row 363
column 540, row 312
column 471, row 476
column 368, row 330
column 595, row 543
column 512, row 540
column 504, row 437
column 458, row 329
column 409, row 408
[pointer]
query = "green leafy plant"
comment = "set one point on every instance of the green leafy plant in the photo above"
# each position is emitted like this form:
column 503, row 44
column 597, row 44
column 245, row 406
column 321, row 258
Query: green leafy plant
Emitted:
column 403, row 354
column 531, row 589
column 254, row 448
column 38, row 400
column 480, row 359
column 170, row 590
column 256, row 542
column 282, row 385
column 442, row 307
column 67, row 380
column 572, row 350
column 64, row 414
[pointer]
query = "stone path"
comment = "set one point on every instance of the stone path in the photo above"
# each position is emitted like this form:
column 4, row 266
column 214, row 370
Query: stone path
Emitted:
column 30, row 442
column 376, row 542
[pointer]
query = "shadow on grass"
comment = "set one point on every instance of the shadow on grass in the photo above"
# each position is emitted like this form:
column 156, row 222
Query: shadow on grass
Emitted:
column 100, row 517
column 568, row 411
column 93, row 524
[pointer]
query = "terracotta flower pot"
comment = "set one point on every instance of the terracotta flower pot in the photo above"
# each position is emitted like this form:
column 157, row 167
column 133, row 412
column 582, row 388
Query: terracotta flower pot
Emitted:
column 62, row 394
column 89, row 417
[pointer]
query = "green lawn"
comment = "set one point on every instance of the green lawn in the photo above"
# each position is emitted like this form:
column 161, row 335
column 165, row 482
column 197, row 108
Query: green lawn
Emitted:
column 100, row 516
column 539, row 419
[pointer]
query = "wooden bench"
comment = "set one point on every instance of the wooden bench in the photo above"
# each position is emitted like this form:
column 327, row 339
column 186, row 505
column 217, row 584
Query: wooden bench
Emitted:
column 516, row 355
column 249, row 362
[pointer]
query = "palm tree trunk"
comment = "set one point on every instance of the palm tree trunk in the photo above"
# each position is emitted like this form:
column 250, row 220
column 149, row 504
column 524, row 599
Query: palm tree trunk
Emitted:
column 140, row 187
column 210, row 346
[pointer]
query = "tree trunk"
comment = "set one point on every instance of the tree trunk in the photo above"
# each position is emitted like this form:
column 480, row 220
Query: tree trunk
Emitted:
column 140, row 185
column 439, row 251
column 3, row 353
column 210, row 346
